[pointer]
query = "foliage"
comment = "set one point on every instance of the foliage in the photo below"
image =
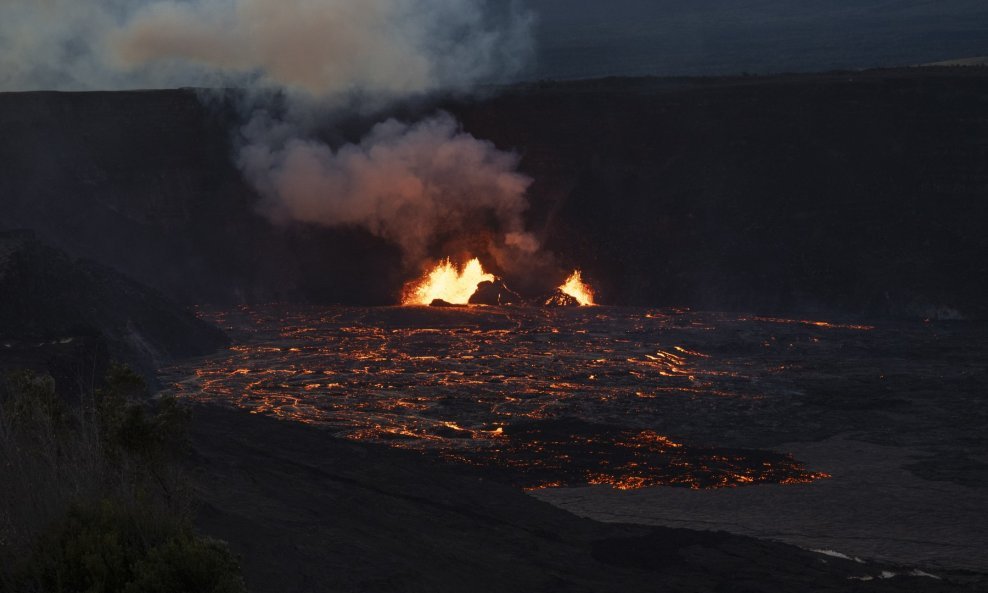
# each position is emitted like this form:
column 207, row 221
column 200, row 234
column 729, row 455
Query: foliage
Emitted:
column 111, row 547
column 92, row 498
column 32, row 404
column 129, row 426
column 188, row 564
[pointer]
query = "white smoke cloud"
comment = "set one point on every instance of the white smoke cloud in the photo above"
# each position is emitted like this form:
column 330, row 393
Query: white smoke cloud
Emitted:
column 324, row 48
column 52, row 44
column 329, row 47
column 405, row 183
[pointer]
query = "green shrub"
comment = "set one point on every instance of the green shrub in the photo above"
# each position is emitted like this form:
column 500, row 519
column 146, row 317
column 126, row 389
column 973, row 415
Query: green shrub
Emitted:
column 113, row 547
column 90, row 550
column 91, row 499
column 31, row 403
column 129, row 424
column 190, row 565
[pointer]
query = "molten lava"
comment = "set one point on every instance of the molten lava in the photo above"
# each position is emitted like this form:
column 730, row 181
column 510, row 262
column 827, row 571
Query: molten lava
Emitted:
column 445, row 282
column 540, row 396
column 576, row 288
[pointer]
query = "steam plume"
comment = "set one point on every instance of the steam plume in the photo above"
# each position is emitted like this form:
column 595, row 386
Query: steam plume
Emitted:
column 325, row 48
column 321, row 47
column 407, row 183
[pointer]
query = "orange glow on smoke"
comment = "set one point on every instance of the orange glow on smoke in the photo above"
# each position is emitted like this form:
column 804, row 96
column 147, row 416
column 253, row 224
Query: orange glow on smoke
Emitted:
column 448, row 283
column 576, row 288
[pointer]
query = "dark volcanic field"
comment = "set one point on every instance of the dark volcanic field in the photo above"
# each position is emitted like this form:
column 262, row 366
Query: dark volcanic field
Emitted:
column 839, row 196
column 865, row 439
column 860, row 193
column 310, row 513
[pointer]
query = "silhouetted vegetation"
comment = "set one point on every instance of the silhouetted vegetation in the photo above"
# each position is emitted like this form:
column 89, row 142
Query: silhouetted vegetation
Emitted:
column 93, row 499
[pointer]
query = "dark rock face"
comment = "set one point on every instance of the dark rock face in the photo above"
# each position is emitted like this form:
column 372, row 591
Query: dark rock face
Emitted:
column 494, row 294
column 442, row 303
column 859, row 193
column 381, row 520
column 145, row 182
column 559, row 299
column 57, row 308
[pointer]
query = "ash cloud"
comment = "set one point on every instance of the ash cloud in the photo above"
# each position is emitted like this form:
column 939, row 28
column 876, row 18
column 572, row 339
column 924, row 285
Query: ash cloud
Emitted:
column 409, row 183
column 327, row 48
column 55, row 44
column 322, row 48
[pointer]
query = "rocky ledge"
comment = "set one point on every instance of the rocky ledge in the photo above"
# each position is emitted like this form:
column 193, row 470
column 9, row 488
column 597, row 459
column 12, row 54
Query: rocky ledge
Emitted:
column 309, row 512
column 70, row 317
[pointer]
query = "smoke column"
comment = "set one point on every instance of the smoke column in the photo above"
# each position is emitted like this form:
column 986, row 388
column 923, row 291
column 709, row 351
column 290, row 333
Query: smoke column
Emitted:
column 325, row 48
column 405, row 183
column 408, row 183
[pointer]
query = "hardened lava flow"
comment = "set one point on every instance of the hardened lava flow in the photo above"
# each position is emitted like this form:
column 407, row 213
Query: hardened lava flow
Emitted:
column 543, row 397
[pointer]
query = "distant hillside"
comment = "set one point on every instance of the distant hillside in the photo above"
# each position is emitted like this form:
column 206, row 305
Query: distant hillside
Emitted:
column 857, row 193
column 72, row 317
column 865, row 193
column 588, row 38
column 979, row 61
column 145, row 181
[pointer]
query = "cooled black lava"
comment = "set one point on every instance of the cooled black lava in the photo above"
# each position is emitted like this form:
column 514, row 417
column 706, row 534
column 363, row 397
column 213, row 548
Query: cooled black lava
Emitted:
column 627, row 397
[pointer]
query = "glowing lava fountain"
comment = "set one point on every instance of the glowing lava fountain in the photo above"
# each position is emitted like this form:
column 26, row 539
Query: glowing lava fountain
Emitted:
column 576, row 288
column 447, row 283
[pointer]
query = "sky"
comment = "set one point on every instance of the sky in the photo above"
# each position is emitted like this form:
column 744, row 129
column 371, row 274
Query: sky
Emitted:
column 397, row 47
column 592, row 38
